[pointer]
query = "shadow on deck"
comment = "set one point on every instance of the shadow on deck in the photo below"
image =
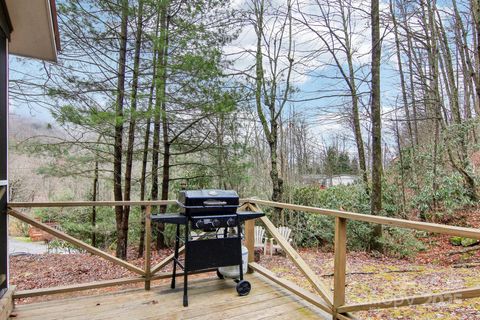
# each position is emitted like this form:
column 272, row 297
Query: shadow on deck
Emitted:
column 208, row 299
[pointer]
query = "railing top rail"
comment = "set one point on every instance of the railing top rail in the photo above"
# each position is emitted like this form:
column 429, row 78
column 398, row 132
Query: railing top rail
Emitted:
column 64, row 204
column 417, row 225
column 402, row 223
column 60, row 204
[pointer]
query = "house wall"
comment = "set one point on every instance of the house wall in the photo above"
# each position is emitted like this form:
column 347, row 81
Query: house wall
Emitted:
column 4, row 33
column 326, row 181
column 343, row 180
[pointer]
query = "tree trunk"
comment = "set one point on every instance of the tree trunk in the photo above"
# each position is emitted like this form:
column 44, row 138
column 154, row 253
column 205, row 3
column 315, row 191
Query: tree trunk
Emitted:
column 435, row 104
column 411, row 80
column 165, row 186
column 133, row 122
column 350, row 79
column 277, row 182
column 377, row 167
column 146, row 143
column 470, row 73
column 94, row 209
column 165, row 126
column 268, row 97
column 402, row 78
column 160, row 106
column 476, row 15
column 402, row 175
column 463, row 164
column 141, row 246
column 118, row 148
column 468, row 81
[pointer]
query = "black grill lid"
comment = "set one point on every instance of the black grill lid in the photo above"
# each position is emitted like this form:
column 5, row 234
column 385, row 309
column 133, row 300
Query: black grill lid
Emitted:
column 208, row 201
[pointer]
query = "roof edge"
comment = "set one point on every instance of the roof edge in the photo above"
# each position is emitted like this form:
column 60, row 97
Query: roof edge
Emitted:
column 53, row 9
column 6, row 16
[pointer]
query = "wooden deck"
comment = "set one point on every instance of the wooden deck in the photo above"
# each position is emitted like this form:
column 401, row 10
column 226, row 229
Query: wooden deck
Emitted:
column 208, row 299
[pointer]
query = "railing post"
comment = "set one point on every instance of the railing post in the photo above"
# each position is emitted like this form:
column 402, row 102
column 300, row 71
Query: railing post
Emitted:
column 340, row 264
column 148, row 237
column 250, row 240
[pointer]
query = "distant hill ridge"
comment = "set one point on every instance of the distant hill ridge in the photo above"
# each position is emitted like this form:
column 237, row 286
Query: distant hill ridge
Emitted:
column 22, row 128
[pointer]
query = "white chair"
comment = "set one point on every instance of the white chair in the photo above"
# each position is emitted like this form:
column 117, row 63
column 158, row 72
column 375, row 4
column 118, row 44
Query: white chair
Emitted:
column 285, row 233
column 260, row 239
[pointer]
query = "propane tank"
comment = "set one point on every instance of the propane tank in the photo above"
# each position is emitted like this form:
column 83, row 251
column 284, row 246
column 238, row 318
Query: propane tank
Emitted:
column 234, row 271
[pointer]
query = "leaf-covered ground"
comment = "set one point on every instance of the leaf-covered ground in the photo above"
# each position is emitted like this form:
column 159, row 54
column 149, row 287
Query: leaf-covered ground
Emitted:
column 377, row 278
column 50, row 270
column 441, row 267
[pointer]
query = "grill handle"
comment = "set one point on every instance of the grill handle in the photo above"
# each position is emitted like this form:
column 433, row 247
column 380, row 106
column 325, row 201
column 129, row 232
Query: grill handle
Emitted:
column 213, row 203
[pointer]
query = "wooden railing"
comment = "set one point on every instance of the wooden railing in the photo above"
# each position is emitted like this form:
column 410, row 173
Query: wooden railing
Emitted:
column 337, row 305
column 146, row 274
column 334, row 303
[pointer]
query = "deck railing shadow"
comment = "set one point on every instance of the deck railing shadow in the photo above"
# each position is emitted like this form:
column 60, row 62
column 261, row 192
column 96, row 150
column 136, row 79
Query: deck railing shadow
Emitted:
column 332, row 303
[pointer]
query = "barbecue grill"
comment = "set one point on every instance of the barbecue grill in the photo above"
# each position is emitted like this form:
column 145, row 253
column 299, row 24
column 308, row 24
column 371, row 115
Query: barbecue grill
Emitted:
column 215, row 213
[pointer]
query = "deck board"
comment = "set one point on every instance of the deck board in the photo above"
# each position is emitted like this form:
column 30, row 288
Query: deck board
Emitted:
column 208, row 299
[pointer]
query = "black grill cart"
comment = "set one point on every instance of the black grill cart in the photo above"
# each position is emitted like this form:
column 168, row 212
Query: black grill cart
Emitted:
column 210, row 211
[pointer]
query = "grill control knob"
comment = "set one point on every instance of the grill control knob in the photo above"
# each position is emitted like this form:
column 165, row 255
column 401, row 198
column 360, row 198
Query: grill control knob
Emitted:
column 216, row 223
column 231, row 222
column 200, row 224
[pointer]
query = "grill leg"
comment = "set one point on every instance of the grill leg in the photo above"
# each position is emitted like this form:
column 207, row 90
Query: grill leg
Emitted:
column 177, row 244
column 185, row 271
column 241, row 253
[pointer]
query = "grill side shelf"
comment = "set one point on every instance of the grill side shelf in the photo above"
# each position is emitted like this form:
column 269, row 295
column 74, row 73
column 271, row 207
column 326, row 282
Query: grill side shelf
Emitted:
column 169, row 218
column 249, row 215
column 182, row 219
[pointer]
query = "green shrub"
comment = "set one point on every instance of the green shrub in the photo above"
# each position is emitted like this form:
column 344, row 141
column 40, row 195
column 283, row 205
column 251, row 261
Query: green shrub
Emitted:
column 77, row 223
column 450, row 196
column 465, row 242
column 456, row 241
column 19, row 227
column 400, row 243
column 316, row 230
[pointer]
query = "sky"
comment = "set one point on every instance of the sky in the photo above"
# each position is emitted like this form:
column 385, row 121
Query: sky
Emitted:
column 317, row 80
column 314, row 80
column 25, row 68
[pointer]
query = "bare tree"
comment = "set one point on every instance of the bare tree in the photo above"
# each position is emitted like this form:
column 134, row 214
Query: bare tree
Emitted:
column 270, row 96
column 377, row 166
column 121, row 251
column 334, row 26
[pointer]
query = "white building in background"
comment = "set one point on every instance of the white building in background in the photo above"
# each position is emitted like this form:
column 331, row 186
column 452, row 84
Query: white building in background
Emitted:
column 330, row 181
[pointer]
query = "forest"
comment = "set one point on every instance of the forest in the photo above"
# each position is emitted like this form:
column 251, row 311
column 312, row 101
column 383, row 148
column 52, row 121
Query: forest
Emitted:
column 260, row 96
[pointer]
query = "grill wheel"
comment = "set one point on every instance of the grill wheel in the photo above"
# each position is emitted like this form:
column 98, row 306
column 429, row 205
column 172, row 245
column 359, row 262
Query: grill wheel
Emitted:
column 243, row 288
